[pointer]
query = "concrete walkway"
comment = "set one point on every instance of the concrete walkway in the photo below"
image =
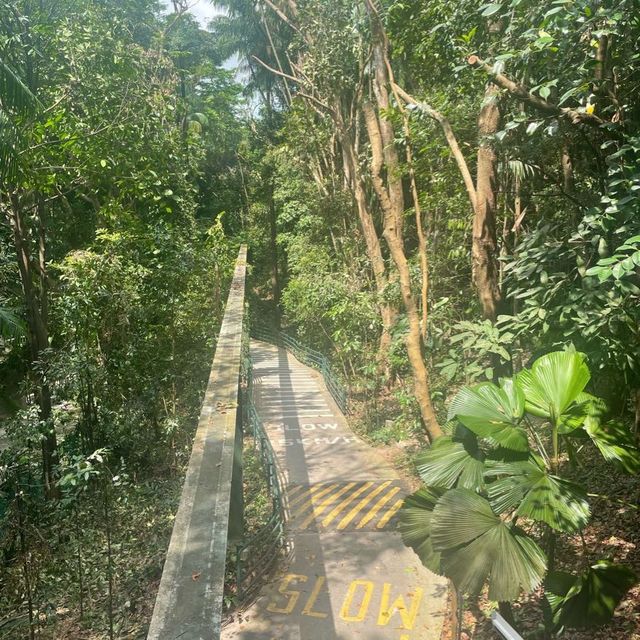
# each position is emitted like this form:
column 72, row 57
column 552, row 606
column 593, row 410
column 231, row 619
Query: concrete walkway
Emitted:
column 348, row 575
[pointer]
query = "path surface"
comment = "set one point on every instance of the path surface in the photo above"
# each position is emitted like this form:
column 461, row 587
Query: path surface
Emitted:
column 348, row 575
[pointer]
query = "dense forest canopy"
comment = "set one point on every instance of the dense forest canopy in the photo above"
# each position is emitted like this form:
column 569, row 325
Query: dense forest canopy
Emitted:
column 434, row 194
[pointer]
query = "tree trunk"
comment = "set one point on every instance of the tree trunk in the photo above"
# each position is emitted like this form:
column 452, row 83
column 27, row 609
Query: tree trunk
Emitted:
column 36, row 308
column 384, row 155
column 394, row 241
column 636, row 398
column 484, row 244
column 372, row 242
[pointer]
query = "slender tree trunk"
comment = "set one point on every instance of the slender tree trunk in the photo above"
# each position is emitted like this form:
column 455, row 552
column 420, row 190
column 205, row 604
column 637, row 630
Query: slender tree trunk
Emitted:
column 636, row 398
column 484, row 243
column 422, row 241
column 37, row 311
column 372, row 242
column 568, row 180
column 394, row 241
column 384, row 156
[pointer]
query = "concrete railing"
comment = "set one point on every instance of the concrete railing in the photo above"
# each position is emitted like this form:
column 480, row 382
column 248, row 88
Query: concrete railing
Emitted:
column 190, row 597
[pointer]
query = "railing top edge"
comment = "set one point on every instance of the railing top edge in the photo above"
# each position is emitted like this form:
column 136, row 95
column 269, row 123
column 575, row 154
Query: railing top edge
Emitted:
column 190, row 597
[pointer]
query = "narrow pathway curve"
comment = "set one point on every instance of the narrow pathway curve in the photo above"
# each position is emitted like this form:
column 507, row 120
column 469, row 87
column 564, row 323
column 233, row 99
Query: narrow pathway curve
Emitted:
column 348, row 575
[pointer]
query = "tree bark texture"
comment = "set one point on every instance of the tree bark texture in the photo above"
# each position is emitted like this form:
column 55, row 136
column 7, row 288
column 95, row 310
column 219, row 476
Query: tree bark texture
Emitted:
column 384, row 157
column 394, row 241
column 372, row 242
column 484, row 242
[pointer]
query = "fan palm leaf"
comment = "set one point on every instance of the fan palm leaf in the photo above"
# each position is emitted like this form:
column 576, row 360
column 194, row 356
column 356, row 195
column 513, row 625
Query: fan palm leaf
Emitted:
column 477, row 546
column 493, row 413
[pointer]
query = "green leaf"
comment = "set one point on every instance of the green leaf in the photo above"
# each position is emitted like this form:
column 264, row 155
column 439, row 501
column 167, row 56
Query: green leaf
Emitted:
column 477, row 546
column 615, row 442
column 14, row 93
column 11, row 325
column 585, row 405
column 533, row 126
column 553, row 383
column 538, row 495
column 415, row 526
column 490, row 9
column 449, row 462
column 587, row 600
column 492, row 412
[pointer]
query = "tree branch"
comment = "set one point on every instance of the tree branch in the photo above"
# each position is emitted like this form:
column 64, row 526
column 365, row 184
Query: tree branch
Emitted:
column 282, row 15
column 324, row 106
column 521, row 92
column 449, row 135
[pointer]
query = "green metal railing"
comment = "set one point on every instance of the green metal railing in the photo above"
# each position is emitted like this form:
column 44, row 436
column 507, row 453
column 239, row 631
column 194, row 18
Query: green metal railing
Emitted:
column 256, row 557
column 308, row 356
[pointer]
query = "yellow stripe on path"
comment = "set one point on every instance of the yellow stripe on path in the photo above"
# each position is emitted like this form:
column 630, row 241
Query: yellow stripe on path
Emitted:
column 371, row 514
column 345, row 503
column 389, row 514
column 314, row 497
column 352, row 514
column 319, row 509
column 292, row 492
column 305, row 494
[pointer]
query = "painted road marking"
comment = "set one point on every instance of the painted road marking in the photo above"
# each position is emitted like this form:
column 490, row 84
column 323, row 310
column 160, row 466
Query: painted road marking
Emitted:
column 300, row 405
column 292, row 442
column 298, row 414
column 352, row 514
column 356, row 604
column 305, row 495
column 293, row 490
column 345, row 503
column 408, row 616
column 345, row 611
column 311, row 426
column 308, row 608
column 314, row 497
column 371, row 514
column 312, row 501
column 319, row 509
column 389, row 514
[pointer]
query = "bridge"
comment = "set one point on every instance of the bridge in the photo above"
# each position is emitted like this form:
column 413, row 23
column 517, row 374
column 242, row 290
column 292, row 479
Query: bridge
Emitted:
column 329, row 564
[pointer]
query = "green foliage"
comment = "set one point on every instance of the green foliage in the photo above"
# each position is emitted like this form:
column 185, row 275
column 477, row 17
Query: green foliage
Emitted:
column 329, row 306
column 493, row 413
column 477, row 545
column 588, row 599
column 502, row 466
column 475, row 343
column 567, row 287
column 114, row 251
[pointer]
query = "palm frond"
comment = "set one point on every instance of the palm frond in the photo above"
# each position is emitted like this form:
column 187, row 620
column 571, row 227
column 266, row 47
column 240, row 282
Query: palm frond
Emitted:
column 11, row 325
column 14, row 93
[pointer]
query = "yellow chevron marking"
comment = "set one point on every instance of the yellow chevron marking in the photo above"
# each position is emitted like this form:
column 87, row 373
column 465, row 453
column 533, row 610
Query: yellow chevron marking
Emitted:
column 352, row 514
column 344, row 504
column 389, row 514
column 371, row 514
column 315, row 496
column 318, row 509
column 305, row 494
